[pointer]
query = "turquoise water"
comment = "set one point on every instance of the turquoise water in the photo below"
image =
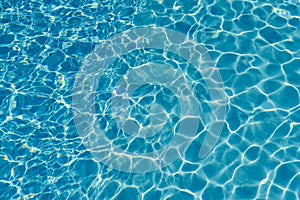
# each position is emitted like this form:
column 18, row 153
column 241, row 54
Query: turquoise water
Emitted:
column 241, row 103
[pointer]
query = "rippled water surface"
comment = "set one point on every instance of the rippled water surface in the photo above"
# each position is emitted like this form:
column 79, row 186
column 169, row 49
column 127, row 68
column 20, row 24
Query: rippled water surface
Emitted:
column 224, row 101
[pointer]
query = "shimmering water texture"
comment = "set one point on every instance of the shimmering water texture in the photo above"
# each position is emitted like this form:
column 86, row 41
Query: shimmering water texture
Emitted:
column 149, row 99
column 129, row 103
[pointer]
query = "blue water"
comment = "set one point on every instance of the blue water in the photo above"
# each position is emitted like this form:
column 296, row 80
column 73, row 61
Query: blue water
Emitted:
column 246, row 114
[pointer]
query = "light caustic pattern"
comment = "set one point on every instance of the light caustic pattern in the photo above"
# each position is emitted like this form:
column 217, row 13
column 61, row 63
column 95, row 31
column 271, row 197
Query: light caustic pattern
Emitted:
column 156, row 74
column 132, row 115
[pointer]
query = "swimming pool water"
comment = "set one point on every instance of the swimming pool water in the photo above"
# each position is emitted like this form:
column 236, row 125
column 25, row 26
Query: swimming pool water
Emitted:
column 70, row 124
